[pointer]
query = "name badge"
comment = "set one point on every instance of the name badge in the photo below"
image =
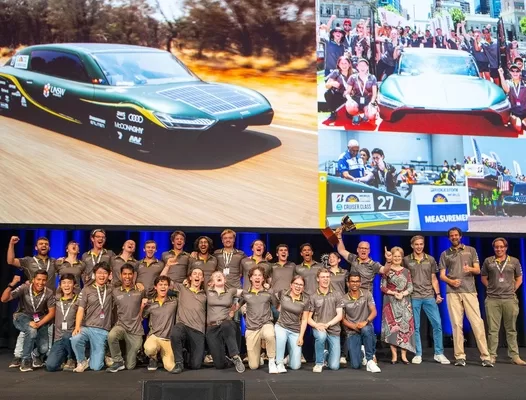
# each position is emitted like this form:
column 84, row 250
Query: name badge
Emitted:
column 36, row 318
column 362, row 100
column 226, row 271
column 518, row 103
column 64, row 326
column 101, row 315
column 501, row 280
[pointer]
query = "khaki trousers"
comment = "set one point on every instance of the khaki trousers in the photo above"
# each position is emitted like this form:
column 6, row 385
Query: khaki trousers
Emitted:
column 254, row 338
column 506, row 310
column 457, row 305
column 153, row 345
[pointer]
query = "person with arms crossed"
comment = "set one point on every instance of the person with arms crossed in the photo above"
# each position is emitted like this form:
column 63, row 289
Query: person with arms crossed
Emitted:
column 325, row 315
column 160, row 311
column 502, row 276
column 458, row 265
column 93, row 320
column 359, row 311
column 128, row 300
column 426, row 295
column 65, row 313
column 36, row 310
column 176, row 260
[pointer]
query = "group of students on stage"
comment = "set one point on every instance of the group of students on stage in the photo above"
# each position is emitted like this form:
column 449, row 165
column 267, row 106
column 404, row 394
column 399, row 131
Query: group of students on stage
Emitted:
column 192, row 304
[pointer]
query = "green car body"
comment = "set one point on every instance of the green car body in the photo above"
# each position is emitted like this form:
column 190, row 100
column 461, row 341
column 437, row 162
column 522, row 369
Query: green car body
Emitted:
column 135, row 95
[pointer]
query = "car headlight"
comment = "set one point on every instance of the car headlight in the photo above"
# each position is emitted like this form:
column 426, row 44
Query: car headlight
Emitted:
column 502, row 106
column 388, row 102
column 173, row 122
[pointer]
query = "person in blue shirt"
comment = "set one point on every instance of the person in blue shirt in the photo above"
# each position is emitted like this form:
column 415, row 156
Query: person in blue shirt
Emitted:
column 351, row 165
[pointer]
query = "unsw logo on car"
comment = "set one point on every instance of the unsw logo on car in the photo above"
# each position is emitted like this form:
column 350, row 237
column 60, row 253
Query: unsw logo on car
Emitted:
column 54, row 90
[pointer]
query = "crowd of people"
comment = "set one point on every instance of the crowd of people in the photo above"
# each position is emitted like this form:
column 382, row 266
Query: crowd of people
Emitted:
column 192, row 301
column 350, row 52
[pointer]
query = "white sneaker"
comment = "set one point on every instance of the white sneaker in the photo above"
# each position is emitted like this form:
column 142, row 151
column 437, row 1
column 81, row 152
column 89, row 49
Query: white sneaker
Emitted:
column 317, row 368
column 372, row 367
column 108, row 361
column 417, row 360
column 208, row 359
column 303, row 361
column 286, row 361
column 364, row 361
column 82, row 366
column 261, row 361
column 272, row 367
column 281, row 368
column 343, row 361
column 440, row 358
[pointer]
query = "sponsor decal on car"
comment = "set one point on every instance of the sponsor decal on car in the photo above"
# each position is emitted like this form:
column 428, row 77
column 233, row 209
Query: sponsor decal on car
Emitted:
column 3, row 83
column 135, row 118
column 135, row 140
column 23, row 102
column 53, row 90
column 121, row 115
column 11, row 86
column 98, row 122
column 4, row 90
column 4, row 105
column 16, row 94
column 7, row 98
column 21, row 62
column 129, row 128
column 352, row 202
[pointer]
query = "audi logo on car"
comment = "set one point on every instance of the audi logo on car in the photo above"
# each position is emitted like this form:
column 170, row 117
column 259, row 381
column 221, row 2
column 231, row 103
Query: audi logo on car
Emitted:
column 135, row 118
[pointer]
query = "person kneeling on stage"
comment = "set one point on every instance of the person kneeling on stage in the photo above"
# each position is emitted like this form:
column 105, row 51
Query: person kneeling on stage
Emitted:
column 129, row 301
column 515, row 88
column 160, row 310
column 292, row 323
column 361, row 93
column 93, row 320
column 191, row 320
column 66, row 311
column 325, row 315
column 221, row 330
column 336, row 86
column 36, row 310
column 359, row 313
column 259, row 319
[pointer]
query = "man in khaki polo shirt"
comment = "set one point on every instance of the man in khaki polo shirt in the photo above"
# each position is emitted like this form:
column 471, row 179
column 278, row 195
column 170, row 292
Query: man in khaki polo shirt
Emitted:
column 149, row 268
column 502, row 275
column 176, row 260
column 229, row 259
column 458, row 265
column 308, row 269
column 125, row 257
column 203, row 260
column 282, row 271
column 96, row 255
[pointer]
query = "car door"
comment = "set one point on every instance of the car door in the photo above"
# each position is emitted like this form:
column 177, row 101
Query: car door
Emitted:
column 58, row 81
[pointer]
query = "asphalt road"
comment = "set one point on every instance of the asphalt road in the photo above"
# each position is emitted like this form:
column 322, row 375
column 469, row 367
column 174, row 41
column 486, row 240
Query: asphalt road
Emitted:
column 263, row 177
column 490, row 223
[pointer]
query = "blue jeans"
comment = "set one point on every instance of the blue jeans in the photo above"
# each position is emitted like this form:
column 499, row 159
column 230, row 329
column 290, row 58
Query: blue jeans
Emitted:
column 433, row 314
column 286, row 337
column 320, row 338
column 61, row 351
column 97, row 341
column 366, row 337
column 32, row 336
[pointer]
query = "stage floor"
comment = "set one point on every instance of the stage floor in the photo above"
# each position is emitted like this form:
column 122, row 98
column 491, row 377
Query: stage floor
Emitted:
column 428, row 380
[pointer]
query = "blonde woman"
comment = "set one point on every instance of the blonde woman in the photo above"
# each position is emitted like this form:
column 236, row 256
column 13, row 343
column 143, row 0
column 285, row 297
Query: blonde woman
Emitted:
column 398, row 326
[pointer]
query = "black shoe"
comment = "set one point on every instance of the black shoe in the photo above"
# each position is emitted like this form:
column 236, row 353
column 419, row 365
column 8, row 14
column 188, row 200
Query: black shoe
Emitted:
column 333, row 116
column 460, row 362
column 25, row 365
column 15, row 363
column 178, row 368
column 152, row 365
column 37, row 361
column 116, row 367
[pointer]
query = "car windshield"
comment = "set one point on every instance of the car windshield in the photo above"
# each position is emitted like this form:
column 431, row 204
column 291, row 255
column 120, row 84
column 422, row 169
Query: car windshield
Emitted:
column 142, row 68
column 422, row 63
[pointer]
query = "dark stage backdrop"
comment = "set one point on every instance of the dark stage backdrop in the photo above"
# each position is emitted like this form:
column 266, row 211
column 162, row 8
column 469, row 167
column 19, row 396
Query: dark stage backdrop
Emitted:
column 115, row 239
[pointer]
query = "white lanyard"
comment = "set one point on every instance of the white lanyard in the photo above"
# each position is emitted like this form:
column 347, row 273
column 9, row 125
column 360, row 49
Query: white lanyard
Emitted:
column 33, row 299
column 227, row 257
column 102, row 299
column 65, row 314
column 501, row 270
column 362, row 90
column 516, row 89
column 98, row 258
column 38, row 263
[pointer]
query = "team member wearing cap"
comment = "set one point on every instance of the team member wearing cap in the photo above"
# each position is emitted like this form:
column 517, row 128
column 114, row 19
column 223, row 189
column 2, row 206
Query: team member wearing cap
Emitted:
column 516, row 91
column 128, row 300
column 415, row 41
column 65, row 313
column 36, row 310
column 259, row 318
column 336, row 86
column 71, row 265
column 221, row 330
column 502, row 275
column 149, row 268
column 292, row 323
column 125, row 257
column 93, row 320
column 191, row 322
column 96, row 255
column 363, row 90
column 160, row 311
column 349, row 36
column 333, row 47
column 176, row 260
